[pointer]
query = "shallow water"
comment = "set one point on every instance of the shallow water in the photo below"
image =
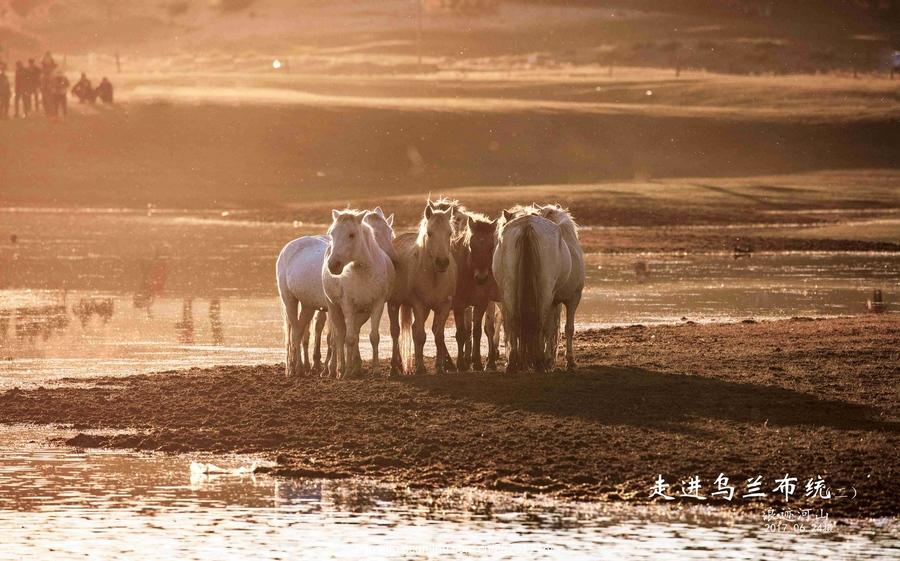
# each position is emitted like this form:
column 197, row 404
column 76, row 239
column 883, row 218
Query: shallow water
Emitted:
column 117, row 292
column 111, row 292
column 63, row 503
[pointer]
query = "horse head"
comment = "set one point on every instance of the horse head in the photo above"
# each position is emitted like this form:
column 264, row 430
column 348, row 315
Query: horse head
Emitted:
column 435, row 234
column 383, row 228
column 482, row 241
column 346, row 231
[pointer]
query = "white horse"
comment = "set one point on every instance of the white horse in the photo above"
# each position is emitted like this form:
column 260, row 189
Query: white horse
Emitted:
column 299, row 275
column 357, row 277
column 426, row 282
column 532, row 265
column 298, row 271
column 570, row 293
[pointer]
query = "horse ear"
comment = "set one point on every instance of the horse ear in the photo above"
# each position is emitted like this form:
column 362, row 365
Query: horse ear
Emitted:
column 469, row 221
column 390, row 220
column 429, row 212
column 507, row 215
column 379, row 212
column 334, row 214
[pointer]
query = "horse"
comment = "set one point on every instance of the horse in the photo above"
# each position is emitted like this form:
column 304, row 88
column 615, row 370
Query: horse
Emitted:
column 298, row 273
column 476, row 288
column 570, row 293
column 425, row 282
column 299, row 277
column 531, row 263
column 357, row 277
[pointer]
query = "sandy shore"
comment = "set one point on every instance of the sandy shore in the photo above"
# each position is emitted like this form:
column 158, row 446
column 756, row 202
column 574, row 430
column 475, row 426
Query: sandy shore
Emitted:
column 804, row 397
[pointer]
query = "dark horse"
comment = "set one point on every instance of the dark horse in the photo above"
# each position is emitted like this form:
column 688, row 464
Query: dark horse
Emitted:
column 475, row 288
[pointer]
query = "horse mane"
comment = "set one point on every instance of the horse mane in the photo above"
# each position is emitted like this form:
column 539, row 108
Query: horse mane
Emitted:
column 423, row 228
column 368, row 233
column 464, row 236
column 516, row 211
column 446, row 203
column 346, row 214
column 567, row 223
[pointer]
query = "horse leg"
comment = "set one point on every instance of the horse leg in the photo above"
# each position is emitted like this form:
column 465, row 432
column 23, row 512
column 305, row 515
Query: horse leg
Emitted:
column 492, row 331
column 291, row 324
column 459, row 317
column 492, row 323
column 477, row 316
column 375, row 336
column 339, row 330
column 306, row 316
column 439, row 322
column 304, row 344
column 571, row 306
column 330, row 356
column 511, row 332
column 549, row 339
column 420, row 314
column 352, row 323
column 321, row 319
column 394, row 317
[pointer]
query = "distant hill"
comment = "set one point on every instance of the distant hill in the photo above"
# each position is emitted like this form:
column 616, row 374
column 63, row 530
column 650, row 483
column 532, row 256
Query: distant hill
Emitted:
column 736, row 36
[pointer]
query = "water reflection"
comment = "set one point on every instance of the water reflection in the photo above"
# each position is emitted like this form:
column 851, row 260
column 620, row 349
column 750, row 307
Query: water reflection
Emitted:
column 153, row 275
column 40, row 322
column 185, row 327
column 215, row 321
column 67, row 503
column 86, row 308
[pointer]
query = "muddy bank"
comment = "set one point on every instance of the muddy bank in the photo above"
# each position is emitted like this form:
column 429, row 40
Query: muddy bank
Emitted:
column 805, row 397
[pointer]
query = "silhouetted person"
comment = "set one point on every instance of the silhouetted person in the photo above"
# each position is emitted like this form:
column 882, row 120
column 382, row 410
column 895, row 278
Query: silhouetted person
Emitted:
column 60, row 92
column 23, row 97
column 48, row 65
column 105, row 91
column 34, row 83
column 5, row 94
column 84, row 90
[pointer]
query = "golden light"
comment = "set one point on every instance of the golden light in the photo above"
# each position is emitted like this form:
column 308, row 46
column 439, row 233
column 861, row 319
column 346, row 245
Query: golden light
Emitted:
column 276, row 64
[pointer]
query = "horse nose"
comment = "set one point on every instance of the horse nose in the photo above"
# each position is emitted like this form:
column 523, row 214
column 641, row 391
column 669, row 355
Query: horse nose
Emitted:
column 335, row 267
column 481, row 277
column 442, row 263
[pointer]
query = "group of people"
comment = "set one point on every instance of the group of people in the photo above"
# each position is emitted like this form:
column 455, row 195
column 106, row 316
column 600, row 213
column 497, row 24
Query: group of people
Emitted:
column 46, row 86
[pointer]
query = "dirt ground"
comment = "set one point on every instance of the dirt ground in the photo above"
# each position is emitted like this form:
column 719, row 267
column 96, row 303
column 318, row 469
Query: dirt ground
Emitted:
column 802, row 397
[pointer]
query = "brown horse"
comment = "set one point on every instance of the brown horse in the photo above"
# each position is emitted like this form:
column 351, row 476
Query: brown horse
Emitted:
column 425, row 282
column 473, row 251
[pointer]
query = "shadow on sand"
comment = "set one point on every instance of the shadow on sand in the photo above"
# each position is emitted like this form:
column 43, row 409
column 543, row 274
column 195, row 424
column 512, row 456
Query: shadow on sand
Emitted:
column 633, row 396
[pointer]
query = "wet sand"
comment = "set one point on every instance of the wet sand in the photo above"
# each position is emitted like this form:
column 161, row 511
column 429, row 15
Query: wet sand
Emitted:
column 804, row 397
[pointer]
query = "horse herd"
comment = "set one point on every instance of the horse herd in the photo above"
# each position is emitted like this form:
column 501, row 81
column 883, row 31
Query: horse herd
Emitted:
column 529, row 261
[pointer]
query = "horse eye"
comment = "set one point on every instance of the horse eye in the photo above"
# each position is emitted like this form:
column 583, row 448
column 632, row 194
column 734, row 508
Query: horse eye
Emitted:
column 430, row 232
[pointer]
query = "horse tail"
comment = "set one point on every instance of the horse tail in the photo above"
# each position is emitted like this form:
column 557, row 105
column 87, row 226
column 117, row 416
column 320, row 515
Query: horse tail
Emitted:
column 406, row 339
column 527, row 298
